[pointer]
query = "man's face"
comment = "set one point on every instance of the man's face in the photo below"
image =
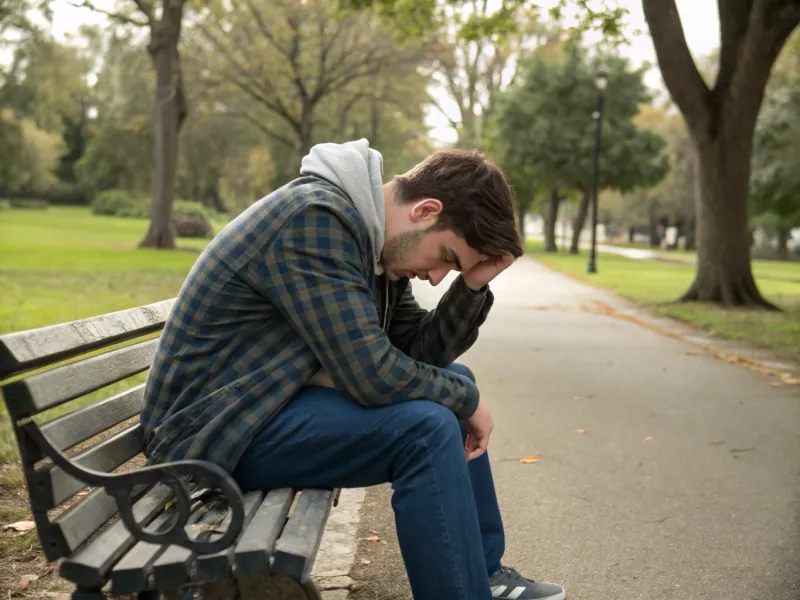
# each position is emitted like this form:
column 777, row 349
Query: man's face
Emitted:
column 428, row 255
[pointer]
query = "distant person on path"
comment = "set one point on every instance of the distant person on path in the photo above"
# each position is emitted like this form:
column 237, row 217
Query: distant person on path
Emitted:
column 296, row 355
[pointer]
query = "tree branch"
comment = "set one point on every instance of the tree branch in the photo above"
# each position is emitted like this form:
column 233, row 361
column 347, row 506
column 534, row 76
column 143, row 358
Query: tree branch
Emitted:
column 438, row 106
column 266, row 130
column 147, row 9
column 112, row 15
column 679, row 71
column 733, row 21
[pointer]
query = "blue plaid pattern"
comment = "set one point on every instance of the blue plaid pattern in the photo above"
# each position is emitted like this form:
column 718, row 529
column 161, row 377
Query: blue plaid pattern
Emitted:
column 287, row 288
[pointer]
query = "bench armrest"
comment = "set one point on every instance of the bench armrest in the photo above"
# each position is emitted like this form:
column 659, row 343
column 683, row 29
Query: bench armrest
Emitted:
column 174, row 475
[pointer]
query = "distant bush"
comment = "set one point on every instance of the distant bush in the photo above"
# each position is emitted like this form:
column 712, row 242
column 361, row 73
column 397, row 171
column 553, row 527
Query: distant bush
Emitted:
column 120, row 203
column 185, row 208
column 5, row 205
column 28, row 203
column 69, row 194
column 192, row 226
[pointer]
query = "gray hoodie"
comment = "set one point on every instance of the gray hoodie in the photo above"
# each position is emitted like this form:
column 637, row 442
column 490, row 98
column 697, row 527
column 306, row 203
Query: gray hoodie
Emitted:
column 358, row 170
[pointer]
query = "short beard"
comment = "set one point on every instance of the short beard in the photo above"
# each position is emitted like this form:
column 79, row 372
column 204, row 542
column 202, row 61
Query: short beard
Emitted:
column 398, row 249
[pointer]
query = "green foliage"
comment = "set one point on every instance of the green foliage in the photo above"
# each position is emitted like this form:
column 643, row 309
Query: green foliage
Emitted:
column 547, row 130
column 28, row 203
column 186, row 208
column 5, row 205
column 120, row 203
column 775, row 179
column 192, row 226
column 69, row 194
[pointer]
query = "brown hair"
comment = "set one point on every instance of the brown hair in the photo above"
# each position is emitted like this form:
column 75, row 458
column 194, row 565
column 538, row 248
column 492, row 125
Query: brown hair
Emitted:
column 476, row 198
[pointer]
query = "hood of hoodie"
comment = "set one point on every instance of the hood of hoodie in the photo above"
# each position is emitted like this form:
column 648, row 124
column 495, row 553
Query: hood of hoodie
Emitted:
column 358, row 170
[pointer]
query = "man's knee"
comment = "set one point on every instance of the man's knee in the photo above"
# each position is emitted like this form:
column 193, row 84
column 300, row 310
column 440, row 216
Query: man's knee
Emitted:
column 432, row 419
column 463, row 370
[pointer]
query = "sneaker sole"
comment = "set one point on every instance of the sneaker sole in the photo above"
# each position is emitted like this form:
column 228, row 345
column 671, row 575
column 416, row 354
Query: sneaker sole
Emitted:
column 562, row 595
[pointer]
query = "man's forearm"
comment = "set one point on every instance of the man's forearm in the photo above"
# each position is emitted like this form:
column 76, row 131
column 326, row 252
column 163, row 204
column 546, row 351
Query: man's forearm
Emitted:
column 440, row 336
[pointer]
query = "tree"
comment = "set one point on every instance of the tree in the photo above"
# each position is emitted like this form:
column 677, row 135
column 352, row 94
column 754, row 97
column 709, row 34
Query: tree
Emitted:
column 473, row 54
column 546, row 123
column 163, row 18
column 775, row 184
column 119, row 153
column 277, row 62
column 722, row 121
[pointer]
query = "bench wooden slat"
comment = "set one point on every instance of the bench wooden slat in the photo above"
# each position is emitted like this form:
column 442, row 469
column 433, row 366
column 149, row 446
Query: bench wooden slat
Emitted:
column 173, row 567
column 41, row 391
column 78, row 426
column 132, row 573
column 217, row 566
column 24, row 350
column 90, row 565
column 256, row 543
column 297, row 546
column 79, row 522
column 53, row 485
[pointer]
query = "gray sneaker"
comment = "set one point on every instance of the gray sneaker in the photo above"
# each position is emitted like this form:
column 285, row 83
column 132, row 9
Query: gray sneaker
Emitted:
column 510, row 585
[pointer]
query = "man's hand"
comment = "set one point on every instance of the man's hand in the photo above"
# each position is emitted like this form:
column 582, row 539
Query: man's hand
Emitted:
column 479, row 428
column 482, row 273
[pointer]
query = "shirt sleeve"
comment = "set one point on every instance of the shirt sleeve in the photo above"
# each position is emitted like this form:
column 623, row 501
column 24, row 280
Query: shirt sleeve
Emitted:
column 438, row 337
column 313, row 273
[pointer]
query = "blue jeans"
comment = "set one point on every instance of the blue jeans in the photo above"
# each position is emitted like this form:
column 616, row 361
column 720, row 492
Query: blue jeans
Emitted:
column 446, row 513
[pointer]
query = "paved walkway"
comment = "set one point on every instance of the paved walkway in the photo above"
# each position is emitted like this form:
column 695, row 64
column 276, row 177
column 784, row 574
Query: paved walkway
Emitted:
column 663, row 473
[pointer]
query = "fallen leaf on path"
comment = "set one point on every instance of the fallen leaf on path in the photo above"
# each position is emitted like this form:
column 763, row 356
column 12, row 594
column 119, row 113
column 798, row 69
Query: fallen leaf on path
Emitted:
column 366, row 561
column 375, row 539
column 21, row 526
column 648, row 439
column 579, row 397
column 25, row 581
column 529, row 459
column 776, row 383
column 787, row 378
column 580, row 431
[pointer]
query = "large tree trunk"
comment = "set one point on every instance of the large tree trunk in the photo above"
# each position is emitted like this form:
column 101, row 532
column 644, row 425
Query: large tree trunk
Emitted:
column 551, row 217
column 169, row 114
column 579, row 222
column 722, row 122
column 522, row 210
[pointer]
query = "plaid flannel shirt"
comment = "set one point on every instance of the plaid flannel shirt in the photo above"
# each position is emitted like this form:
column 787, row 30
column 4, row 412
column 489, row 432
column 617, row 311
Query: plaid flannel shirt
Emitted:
column 287, row 288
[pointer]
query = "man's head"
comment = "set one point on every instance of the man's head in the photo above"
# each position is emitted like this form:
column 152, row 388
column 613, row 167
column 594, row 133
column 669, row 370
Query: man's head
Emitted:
column 451, row 211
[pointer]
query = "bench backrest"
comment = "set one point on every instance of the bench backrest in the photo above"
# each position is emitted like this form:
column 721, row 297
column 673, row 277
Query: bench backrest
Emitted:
column 44, row 368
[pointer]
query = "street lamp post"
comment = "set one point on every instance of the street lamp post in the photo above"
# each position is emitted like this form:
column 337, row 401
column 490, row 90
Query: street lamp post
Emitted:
column 601, row 80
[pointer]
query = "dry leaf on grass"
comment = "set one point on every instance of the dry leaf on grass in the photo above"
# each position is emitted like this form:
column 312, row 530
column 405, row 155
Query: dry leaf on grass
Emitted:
column 25, row 581
column 375, row 539
column 529, row 459
column 21, row 526
column 581, row 431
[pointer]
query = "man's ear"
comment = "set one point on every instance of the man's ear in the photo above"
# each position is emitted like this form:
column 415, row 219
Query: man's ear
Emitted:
column 427, row 210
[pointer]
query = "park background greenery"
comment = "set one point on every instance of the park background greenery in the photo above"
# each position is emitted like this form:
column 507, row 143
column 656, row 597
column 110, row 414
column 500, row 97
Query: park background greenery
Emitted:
column 99, row 129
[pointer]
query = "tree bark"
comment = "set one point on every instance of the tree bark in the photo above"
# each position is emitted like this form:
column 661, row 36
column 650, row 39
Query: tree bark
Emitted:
column 522, row 210
column 722, row 122
column 168, row 117
column 579, row 222
column 655, row 238
column 691, row 233
column 550, row 220
column 783, row 244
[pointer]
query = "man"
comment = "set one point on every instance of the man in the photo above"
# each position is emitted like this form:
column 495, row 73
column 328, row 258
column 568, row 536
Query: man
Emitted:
column 296, row 355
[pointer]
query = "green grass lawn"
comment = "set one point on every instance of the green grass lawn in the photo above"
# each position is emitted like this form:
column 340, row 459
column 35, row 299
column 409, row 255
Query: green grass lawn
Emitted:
column 658, row 284
column 62, row 264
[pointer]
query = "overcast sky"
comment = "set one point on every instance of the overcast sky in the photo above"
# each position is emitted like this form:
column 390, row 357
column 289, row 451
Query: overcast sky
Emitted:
column 700, row 23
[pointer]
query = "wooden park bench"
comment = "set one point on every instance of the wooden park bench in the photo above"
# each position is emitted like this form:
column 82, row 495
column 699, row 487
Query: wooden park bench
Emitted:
column 148, row 531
